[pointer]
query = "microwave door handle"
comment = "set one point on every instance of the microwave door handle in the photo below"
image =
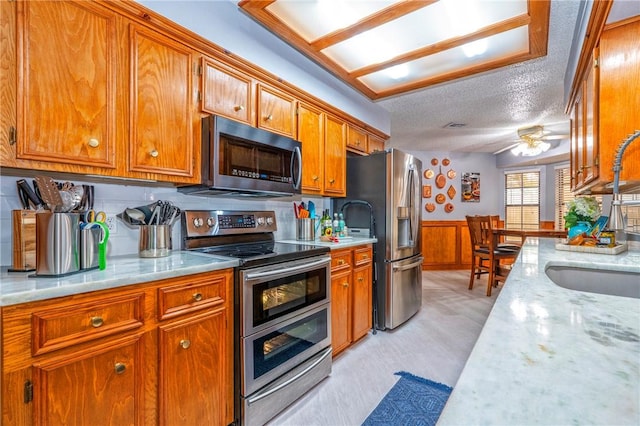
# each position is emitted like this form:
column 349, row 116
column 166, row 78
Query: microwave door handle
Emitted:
column 297, row 177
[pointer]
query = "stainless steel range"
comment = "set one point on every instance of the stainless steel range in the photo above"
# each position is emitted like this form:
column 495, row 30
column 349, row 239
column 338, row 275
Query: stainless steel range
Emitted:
column 282, row 308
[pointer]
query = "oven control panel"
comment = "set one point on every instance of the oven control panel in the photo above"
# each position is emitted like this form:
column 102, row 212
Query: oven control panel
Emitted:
column 201, row 223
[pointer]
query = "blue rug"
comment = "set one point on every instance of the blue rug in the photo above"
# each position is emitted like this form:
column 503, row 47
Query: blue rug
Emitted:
column 412, row 401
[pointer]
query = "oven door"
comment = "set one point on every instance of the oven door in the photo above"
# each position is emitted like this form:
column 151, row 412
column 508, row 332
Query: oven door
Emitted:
column 269, row 354
column 276, row 292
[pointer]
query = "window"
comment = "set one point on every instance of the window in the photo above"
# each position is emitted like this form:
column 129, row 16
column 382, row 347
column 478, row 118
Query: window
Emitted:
column 563, row 194
column 632, row 213
column 522, row 200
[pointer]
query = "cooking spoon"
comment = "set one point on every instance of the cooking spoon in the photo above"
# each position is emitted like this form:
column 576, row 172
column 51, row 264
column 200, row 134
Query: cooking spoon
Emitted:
column 136, row 215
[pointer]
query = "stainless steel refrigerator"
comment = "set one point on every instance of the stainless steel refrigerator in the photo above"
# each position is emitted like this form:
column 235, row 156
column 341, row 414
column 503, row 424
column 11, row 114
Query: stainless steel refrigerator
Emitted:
column 384, row 195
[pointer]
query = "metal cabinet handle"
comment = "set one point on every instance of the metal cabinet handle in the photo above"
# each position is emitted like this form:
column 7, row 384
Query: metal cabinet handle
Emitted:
column 239, row 108
column 331, row 181
column 97, row 322
column 197, row 297
column 154, row 153
column 120, row 367
column 360, row 279
column 269, row 117
column 94, row 143
column 185, row 343
column 340, row 261
column 315, row 177
column 345, row 284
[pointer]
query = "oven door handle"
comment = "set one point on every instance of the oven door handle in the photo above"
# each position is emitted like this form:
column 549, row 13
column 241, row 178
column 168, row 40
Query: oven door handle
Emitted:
column 255, row 275
column 409, row 266
column 291, row 380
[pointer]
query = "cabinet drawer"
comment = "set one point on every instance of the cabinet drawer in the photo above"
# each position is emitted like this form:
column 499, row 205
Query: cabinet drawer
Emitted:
column 340, row 260
column 68, row 325
column 356, row 139
column 188, row 297
column 362, row 255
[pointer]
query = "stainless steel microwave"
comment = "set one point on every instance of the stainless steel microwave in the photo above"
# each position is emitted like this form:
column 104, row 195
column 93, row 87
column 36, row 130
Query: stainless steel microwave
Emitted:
column 241, row 160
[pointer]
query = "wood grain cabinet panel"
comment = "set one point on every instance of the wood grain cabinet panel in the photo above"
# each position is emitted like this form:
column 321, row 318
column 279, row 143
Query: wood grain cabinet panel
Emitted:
column 227, row 92
column 335, row 157
column 362, row 306
column 375, row 144
column 102, row 385
column 311, row 136
column 195, row 365
column 162, row 126
column 67, row 83
column 276, row 111
column 340, row 310
column 357, row 139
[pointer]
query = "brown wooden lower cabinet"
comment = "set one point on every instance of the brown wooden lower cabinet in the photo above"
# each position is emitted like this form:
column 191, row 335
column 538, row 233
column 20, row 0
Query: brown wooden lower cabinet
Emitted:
column 116, row 357
column 351, row 296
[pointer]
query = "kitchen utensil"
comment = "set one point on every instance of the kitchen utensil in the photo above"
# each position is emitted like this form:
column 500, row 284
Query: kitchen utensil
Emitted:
column 305, row 229
column 24, row 200
column 448, row 208
column 77, row 192
column 312, row 210
column 430, row 207
column 434, row 161
column 137, row 217
column 451, row 192
column 426, row 191
column 428, row 174
column 102, row 246
column 90, row 237
column 155, row 241
column 31, row 196
column 440, row 198
column 67, row 200
column 57, row 240
column 446, row 162
column 451, row 174
column 91, row 216
column 441, row 180
column 50, row 193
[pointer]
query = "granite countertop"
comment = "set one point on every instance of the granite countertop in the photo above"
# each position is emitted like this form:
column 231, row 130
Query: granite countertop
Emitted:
column 549, row 355
column 20, row 287
column 343, row 242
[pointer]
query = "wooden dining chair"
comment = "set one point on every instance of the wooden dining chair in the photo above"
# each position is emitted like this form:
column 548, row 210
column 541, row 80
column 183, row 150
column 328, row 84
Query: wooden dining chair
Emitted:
column 502, row 243
column 486, row 256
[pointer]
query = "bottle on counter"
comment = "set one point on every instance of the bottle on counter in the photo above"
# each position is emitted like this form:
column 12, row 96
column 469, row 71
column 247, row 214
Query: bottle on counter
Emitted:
column 342, row 226
column 326, row 224
column 335, row 225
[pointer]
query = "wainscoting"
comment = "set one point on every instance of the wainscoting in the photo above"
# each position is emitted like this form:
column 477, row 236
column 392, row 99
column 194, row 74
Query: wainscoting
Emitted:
column 446, row 244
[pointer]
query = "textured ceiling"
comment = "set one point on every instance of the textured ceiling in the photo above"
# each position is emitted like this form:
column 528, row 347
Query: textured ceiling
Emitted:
column 492, row 105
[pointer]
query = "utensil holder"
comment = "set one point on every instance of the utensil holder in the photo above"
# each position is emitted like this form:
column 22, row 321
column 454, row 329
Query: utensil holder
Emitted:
column 305, row 229
column 155, row 240
column 89, row 242
column 57, row 243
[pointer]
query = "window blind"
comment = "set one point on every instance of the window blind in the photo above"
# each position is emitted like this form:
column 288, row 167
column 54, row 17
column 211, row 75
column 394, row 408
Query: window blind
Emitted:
column 522, row 200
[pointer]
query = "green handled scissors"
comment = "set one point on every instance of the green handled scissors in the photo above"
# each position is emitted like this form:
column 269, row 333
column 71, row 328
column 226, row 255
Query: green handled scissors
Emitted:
column 93, row 216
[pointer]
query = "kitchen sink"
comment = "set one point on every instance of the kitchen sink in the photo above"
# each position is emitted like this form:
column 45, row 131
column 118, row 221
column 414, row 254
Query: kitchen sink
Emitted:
column 614, row 283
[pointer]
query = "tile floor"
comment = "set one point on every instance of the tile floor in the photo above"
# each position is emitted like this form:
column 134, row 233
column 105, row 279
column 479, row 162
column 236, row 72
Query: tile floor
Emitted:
column 434, row 344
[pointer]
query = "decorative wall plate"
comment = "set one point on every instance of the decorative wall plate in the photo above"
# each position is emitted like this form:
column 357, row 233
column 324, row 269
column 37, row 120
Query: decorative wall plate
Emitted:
column 428, row 174
column 448, row 207
column 451, row 192
column 440, row 198
column 426, row 191
column 434, row 161
column 451, row 174
column 446, row 162
column 429, row 207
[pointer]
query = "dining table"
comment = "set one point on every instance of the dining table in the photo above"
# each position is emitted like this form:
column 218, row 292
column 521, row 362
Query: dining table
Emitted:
column 524, row 233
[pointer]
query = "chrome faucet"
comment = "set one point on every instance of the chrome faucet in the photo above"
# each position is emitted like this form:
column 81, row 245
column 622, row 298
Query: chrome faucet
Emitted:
column 616, row 218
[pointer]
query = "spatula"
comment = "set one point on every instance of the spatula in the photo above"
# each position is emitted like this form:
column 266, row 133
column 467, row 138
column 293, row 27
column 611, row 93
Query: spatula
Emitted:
column 49, row 192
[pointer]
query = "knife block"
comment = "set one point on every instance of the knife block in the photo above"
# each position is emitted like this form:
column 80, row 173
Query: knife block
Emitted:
column 24, row 240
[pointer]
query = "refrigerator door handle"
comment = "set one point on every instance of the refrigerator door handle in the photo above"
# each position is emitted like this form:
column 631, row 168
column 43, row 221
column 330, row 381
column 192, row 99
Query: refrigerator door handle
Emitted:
column 409, row 266
column 412, row 216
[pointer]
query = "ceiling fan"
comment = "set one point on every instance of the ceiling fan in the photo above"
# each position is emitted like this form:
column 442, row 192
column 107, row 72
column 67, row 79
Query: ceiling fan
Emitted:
column 532, row 141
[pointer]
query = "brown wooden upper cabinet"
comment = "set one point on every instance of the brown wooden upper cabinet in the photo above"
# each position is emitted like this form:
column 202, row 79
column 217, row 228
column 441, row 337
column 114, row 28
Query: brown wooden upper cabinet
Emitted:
column 162, row 125
column 356, row 139
column 375, row 144
column 66, row 83
column 227, row 92
column 311, row 136
column 606, row 110
column 335, row 157
column 276, row 111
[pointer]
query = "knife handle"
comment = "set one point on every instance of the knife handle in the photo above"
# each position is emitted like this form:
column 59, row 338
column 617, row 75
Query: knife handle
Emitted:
column 29, row 193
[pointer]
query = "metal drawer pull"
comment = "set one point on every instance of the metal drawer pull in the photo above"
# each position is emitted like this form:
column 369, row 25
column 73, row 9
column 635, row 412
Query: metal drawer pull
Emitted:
column 290, row 270
column 185, row 343
column 154, row 153
column 340, row 261
column 360, row 279
column 291, row 380
column 239, row 108
column 197, row 297
column 97, row 322
column 345, row 284
column 94, row 143
column 120, row 367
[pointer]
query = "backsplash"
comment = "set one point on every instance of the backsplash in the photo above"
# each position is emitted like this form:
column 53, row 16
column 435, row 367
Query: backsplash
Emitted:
column 113, row 198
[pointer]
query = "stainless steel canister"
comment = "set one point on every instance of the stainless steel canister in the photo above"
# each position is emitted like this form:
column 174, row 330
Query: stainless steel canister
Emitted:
column 90, row 238
column 57, row 243
column 306, row 229
column 155, row 240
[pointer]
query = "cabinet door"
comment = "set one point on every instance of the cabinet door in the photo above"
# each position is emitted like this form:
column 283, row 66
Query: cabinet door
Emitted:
column 335, row 157
column 340, row 310
column 375, row 144
column 102, row 385
column 66, row 74
column 356, row 139
column 590, row 171
column 276, row 111
column 195, row 377
column 226, row 92
column 162, row 129
column 361, row 308
column 311, row 135
column 579, row 141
